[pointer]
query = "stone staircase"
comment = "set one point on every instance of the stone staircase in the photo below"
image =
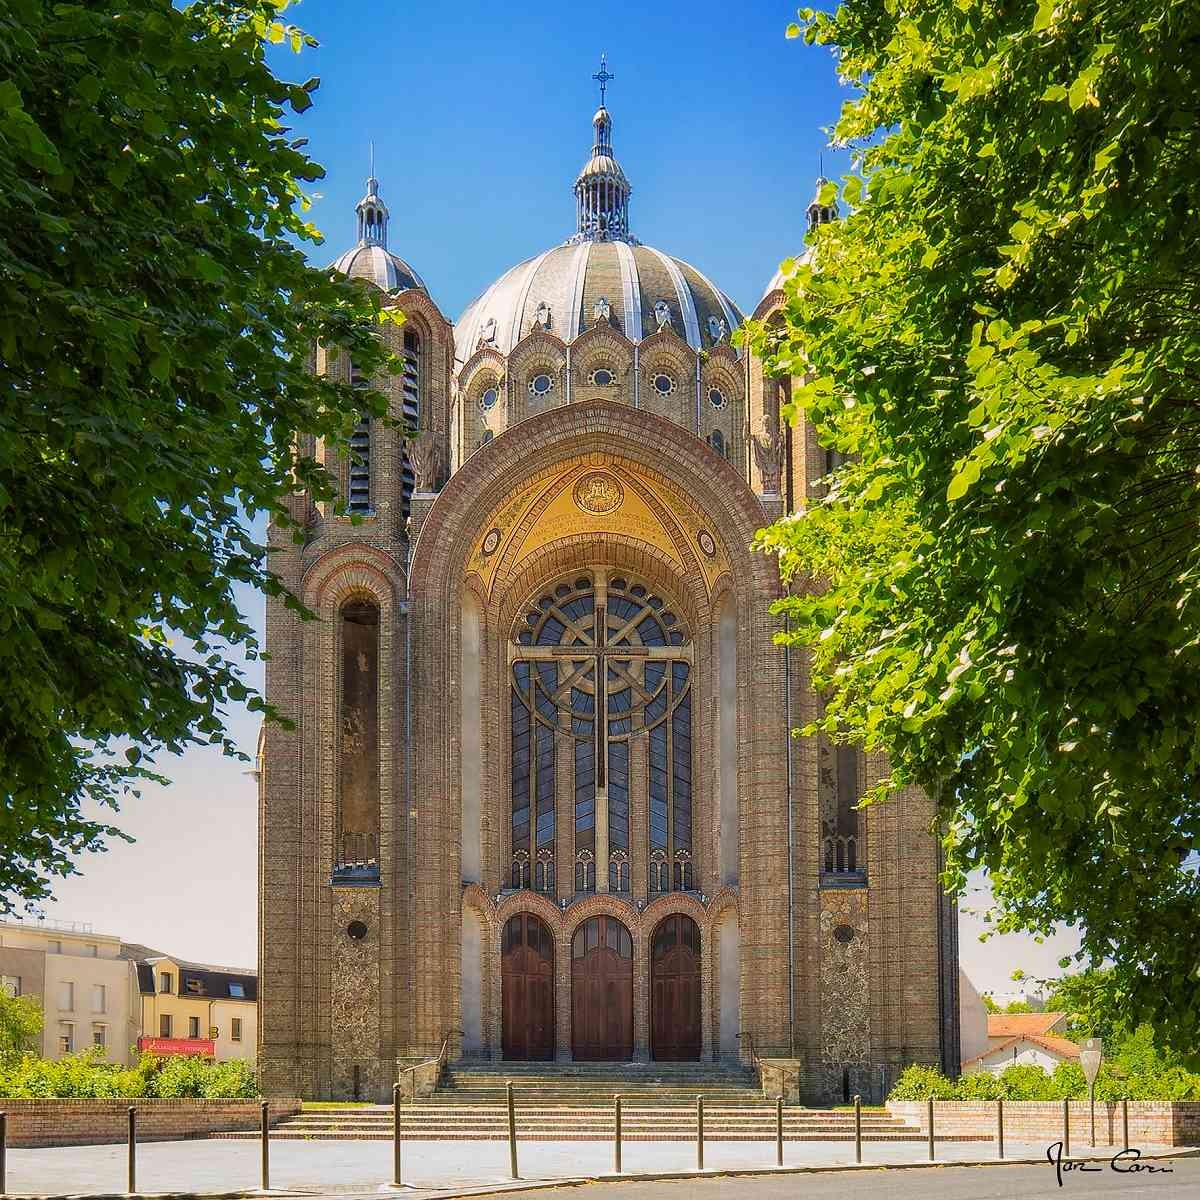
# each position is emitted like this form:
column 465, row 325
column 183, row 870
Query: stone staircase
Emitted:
column 574, row 1101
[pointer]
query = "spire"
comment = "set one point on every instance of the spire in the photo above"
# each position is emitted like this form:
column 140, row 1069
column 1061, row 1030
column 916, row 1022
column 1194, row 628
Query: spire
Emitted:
column 372, row 212
column 601, row 190
column 818, row 213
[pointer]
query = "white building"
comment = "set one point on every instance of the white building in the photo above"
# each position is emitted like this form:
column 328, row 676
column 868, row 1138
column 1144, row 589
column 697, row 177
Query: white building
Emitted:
column 1023, row 1039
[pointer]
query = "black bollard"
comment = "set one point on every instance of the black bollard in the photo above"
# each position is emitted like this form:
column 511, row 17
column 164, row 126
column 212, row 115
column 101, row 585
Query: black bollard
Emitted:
column 3, row 1151
column 132, row 1188
column 931, row 1129
column 512, row 1132
column 699, row 1133
column 265, row 1130
column 858, row 1129
column 779, row 1131
column 1066, row 1129
column 1000, row 1128
column 617, row 1134
column 1124, row 1125
column 396, row 1134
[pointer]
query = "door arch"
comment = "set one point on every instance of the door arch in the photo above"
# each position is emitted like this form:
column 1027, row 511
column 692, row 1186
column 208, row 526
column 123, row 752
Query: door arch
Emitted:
column 675, row 990
column 601, row 991
column 527, row 989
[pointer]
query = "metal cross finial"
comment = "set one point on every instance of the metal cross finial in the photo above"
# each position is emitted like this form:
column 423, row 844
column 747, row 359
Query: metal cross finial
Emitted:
column 603, row 76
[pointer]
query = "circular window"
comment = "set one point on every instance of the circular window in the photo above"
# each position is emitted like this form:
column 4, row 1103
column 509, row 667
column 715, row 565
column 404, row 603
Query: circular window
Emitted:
column 488, row 399
column 601, row 377
column 664, row 385
column 541, row 384
column 356, row 930
column 716, row 397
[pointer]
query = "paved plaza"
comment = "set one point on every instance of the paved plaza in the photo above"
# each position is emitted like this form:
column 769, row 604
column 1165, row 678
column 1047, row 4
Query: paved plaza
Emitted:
column 441, row 1167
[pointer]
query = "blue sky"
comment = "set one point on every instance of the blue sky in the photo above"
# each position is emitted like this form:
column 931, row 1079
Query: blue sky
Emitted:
column 481, row 118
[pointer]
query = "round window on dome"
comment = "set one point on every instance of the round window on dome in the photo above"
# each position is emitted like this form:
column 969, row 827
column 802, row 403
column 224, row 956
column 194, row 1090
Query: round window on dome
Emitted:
column 541, row 384
column 601, row 377
column 488, row 398
column 716, row 397
column 664, row 384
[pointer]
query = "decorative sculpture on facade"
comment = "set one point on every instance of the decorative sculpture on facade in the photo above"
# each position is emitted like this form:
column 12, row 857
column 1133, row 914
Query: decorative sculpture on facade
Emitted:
column 541, row 319
column 716, row 326
column 425, row 459
column 768, row 456
column 601, row 311
column 662, row 314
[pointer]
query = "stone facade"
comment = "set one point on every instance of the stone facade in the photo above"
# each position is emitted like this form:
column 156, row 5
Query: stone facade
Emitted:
column 623, row 445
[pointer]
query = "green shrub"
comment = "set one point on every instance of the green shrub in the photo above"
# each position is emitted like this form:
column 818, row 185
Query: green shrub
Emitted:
column 981, row 1085
column 1023, row 1081
column 87, row 1076
column 922, row 1083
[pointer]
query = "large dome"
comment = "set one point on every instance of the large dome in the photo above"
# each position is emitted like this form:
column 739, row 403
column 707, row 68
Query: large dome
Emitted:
column 562, row 289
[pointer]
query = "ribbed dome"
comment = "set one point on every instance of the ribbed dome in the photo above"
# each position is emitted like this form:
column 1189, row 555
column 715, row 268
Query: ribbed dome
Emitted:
column 371, row 261
column 562, row 289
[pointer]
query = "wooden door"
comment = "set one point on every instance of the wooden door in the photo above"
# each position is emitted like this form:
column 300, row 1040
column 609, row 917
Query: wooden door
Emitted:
column 675, row 990
column 602, row 991
column 527, row 989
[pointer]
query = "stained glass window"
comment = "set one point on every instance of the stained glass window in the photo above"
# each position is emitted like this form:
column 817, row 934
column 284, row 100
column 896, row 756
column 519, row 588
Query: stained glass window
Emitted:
column 596, row 645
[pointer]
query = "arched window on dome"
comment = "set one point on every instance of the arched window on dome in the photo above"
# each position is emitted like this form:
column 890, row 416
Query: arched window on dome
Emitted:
column 716, row 439
column 358, row 497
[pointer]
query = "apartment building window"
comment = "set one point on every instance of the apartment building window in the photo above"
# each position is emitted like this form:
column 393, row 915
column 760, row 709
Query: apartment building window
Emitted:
column 194, row 987
column 235, row 1029
column 164, row 1025
column 66, row 1037
column 100, row 1035
column 237, row 991
column 166, row 982
column 193, row 1027
column 10, row 985
column 66, row 996
column 99, row 998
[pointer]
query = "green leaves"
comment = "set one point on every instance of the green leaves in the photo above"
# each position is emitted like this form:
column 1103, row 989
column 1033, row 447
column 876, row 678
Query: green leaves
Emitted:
column 156, row 320
column 1001, row 338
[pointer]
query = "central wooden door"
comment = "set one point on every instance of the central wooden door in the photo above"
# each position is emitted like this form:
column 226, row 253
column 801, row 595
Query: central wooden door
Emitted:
column 602, row 991
column 675, row 990
column 527, row 989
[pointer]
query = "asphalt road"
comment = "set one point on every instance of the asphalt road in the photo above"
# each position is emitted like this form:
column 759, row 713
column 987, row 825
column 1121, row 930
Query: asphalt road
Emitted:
column 941, row 1183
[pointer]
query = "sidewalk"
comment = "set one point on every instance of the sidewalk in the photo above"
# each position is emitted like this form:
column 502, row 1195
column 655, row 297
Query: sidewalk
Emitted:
column 442, row 1169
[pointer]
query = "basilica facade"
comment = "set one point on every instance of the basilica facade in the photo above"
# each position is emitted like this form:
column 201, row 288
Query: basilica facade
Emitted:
column 539, row 798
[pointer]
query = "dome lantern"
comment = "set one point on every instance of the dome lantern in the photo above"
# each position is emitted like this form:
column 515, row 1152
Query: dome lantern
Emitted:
column 372, row 216
column 602, row 189
column 818, row 213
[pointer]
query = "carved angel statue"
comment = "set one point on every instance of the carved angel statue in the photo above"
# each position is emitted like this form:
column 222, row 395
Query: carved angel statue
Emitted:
column 768, row 456
column 601, row 310
column 662, row 314
column 716, row 326
column 488, row 336
column 541, row 319
column 423, row 457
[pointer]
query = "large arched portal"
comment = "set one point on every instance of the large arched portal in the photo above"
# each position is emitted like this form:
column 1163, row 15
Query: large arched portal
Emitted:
column 675, row 990
column 527, row 989
column 602, row 991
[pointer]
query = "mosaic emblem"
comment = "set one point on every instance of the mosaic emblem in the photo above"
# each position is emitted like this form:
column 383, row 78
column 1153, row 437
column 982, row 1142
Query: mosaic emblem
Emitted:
column 706, row 543
column 491, row 540
column 598, row 493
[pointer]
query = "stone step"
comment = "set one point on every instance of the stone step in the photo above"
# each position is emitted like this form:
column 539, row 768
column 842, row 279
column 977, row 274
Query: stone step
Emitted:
column 569, row 1133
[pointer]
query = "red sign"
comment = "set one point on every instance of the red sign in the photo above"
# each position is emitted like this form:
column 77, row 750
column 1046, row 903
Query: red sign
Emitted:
column 202, row 1047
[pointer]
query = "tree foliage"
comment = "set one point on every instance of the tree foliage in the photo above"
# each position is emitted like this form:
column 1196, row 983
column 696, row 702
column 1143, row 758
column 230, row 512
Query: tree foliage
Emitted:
column 20, row 1028
column 155, row 322
column 1002, row 337
column 88, row 1075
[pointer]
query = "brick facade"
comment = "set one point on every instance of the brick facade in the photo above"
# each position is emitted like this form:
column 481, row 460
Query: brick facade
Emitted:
column 484, row 537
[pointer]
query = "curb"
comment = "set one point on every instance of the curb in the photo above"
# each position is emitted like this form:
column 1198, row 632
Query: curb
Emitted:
column 466, row 1191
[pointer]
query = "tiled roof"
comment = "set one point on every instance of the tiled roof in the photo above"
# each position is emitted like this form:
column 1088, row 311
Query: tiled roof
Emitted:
column 1061, row 1046
column 1008, row 1025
